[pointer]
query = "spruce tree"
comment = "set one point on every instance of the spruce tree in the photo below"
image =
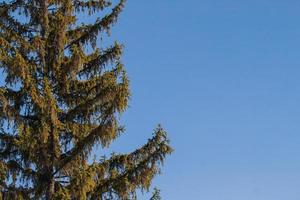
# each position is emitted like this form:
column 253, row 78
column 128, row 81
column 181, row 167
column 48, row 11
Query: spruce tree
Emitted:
column 63, row 94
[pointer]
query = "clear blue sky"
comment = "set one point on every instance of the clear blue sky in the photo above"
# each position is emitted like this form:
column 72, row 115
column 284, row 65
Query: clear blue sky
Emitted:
column 223, row 77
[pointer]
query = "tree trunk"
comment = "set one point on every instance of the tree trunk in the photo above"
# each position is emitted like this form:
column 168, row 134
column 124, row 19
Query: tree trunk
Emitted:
column 50, row 189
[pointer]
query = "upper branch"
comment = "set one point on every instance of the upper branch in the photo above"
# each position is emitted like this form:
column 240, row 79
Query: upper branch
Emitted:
column 83, row 34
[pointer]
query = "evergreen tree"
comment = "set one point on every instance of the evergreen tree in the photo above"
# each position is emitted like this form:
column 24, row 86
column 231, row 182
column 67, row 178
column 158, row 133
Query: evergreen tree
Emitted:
column 62, row 96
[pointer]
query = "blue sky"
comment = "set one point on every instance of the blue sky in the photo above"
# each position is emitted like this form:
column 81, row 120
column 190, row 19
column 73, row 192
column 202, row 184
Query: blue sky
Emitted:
column 222, row 76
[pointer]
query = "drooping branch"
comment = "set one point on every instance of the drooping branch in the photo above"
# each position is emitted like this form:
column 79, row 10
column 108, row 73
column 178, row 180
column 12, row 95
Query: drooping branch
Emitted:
column 104, row 133
column 97, row 64
column 92, row 5
column 138, row 167
column 89, row 33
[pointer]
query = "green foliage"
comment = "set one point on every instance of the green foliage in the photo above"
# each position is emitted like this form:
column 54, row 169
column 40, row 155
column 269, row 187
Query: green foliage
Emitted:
column 156, row 195
column 59, row 101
